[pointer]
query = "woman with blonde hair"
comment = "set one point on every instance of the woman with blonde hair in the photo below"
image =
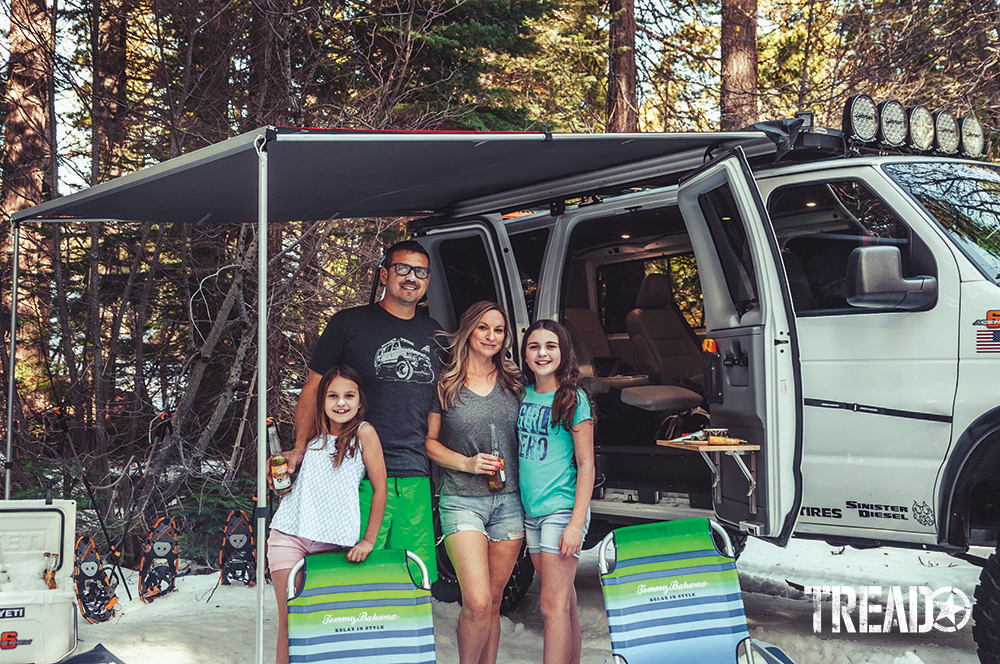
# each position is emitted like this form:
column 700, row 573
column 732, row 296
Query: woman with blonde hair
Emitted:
column 471, row 435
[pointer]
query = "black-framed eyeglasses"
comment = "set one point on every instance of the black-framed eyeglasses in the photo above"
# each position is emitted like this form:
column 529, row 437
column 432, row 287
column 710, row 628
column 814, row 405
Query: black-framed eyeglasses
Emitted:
column 402, row 269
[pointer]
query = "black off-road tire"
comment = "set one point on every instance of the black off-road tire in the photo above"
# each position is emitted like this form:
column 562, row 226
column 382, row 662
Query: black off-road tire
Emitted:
column 446, row 588
column 519, row 581
column 739, row 540
column 986, row 611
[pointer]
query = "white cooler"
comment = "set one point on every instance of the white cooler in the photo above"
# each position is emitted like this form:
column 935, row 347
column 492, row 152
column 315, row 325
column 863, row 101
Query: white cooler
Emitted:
column 37, row 624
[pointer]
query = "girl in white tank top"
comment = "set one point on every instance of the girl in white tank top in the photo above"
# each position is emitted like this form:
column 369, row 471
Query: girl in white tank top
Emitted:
column 322, row 511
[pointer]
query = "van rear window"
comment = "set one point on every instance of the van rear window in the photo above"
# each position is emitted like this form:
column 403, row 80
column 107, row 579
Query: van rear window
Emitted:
column 618, row 285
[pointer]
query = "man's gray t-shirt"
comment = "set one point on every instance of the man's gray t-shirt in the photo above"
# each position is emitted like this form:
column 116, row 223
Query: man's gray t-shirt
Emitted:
column 465, row 428
column 398, row 361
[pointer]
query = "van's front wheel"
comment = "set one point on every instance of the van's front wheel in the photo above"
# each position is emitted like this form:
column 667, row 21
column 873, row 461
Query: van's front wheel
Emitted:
column 986, row 612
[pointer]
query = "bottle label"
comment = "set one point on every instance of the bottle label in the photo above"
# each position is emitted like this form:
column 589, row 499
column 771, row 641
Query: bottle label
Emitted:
column 280, row 478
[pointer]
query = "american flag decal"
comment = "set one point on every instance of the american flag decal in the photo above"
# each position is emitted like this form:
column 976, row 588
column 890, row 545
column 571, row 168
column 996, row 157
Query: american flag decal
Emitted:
column 988, row 341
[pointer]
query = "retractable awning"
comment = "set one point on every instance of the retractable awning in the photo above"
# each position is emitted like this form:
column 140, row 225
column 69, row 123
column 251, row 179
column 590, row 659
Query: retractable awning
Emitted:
column 324, row 174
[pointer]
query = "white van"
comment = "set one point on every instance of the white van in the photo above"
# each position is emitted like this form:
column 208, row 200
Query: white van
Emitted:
column 833, row 300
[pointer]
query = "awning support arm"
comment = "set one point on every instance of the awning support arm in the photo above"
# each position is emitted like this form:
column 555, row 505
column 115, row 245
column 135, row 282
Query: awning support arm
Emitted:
column 16, row 258
column 260, row 527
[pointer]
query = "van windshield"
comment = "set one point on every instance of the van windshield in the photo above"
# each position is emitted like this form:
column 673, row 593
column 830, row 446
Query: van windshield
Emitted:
column 964, row 199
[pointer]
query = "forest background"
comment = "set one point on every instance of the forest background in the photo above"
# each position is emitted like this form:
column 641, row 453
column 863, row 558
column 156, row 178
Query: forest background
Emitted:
column 126, row 328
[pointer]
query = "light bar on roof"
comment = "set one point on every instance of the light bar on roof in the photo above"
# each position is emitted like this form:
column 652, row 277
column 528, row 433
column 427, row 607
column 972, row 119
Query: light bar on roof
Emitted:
column 890, row 125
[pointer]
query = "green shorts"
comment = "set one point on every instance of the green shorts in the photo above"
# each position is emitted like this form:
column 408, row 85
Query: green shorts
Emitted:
column 409, row 519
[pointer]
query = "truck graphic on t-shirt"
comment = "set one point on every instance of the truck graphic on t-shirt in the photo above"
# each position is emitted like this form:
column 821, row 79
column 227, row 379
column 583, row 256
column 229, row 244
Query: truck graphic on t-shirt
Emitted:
column 397, row 359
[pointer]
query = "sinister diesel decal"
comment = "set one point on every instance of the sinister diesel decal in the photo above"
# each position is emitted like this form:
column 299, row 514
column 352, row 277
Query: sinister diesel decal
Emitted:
column 878, row 511
column 877, row 410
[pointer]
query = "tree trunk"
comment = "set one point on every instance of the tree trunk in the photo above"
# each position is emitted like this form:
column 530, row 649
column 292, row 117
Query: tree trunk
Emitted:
column 26, row 160
column 623, row 106
column 27, row 172
column 108, row 103
column 738, row 99
column 270, row 84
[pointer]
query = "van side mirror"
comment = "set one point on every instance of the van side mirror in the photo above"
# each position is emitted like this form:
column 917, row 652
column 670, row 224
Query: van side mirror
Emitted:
column 875, row 281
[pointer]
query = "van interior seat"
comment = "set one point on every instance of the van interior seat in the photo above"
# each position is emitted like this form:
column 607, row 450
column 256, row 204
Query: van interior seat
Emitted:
column 601, row 371
column 803, row 298
column 663, row 344
column 661, row 398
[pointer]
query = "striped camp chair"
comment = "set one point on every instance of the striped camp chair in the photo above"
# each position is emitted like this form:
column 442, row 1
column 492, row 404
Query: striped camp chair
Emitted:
column 360, row 612
column 672, row 597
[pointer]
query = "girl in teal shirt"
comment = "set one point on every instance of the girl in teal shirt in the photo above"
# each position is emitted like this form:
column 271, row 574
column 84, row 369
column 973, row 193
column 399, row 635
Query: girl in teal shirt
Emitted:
column 555, row 429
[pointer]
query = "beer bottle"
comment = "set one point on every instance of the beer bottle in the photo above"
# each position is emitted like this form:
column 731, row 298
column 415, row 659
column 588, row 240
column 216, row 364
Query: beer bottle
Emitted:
column 281, row 479
column 498, row 480
column 49, row 575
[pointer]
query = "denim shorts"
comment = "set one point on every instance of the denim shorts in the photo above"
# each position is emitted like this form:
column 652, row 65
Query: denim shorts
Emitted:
column 498, row 516
column 541, row 534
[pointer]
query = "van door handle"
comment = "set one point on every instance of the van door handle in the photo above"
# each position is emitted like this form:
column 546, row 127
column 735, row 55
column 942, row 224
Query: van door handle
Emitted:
column 731, row 361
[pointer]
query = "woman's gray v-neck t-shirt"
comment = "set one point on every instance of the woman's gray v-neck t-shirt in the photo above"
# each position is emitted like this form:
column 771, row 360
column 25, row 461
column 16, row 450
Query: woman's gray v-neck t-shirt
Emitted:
column 465, row 428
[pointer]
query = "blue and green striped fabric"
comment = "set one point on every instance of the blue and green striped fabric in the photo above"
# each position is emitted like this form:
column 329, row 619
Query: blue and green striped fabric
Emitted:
column 672, row 596
column 372, row 611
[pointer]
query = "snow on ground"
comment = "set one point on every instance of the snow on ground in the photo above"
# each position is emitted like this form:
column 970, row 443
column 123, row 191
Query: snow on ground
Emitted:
column 204, row 623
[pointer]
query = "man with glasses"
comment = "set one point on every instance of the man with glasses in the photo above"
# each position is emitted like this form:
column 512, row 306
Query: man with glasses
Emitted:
column 393, row 350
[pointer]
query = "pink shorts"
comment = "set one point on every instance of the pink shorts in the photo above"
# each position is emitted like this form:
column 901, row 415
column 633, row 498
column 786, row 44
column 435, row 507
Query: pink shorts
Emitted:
column 283, row 551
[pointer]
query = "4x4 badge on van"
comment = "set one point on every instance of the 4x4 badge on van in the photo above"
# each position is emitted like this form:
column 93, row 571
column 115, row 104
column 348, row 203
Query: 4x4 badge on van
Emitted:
column 988, row 340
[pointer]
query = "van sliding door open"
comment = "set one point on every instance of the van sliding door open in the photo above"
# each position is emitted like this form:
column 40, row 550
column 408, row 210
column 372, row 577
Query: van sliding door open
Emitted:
column 753, row 382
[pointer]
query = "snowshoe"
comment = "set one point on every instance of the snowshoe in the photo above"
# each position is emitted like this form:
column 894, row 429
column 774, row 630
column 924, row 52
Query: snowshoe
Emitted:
column 95, row 586
column 158, row 567
column 238, row 556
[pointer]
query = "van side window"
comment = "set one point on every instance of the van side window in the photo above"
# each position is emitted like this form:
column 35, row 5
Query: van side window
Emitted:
column 618, row 285
column 817, row 226
column 467, row 272
column 529, row 250
column 728, row 231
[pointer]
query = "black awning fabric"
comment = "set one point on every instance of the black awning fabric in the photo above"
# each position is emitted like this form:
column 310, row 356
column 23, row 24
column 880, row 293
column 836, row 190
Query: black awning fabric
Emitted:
column 322, row 174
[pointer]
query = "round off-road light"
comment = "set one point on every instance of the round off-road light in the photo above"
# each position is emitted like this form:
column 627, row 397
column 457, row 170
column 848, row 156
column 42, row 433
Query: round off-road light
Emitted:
column 945, row 132
column 892, row 123
column 860, row 119
column 921, row 123
column 971, row 136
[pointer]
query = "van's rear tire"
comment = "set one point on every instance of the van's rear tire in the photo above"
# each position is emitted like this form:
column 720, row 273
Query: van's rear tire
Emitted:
column 519, row 581
column 739, row 540
column 446, row 588
column 986, row 611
